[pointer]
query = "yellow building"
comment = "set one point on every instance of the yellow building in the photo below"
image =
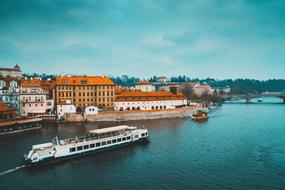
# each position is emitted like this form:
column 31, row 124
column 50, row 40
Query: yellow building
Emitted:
column 85, row 91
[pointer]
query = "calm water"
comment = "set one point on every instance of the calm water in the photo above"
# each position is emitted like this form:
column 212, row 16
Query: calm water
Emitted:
column 240, row 147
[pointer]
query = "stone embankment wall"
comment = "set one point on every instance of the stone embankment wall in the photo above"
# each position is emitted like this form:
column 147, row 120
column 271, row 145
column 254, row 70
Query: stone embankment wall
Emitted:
column 133, row 115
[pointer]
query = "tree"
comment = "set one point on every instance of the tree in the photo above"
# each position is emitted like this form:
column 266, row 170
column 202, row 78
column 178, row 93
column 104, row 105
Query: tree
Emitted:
column 187, row 90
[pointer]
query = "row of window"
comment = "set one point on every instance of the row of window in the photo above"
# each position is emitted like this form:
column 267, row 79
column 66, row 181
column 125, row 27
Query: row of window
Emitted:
column 85, row 87
column 93, row 145
column 68, row 94
column 138, row 108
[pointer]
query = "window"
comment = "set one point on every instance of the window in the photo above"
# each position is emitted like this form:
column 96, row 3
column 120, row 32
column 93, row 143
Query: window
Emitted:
column 136, row 136
column 124, row 138
column 98, row 144
column 114, row 141
column 108, row 142
column 72, row 149
column 92, row 145
column 128, row 138
column 119, row 140
column 103, row 143
column 79, row 148
column 86, row 146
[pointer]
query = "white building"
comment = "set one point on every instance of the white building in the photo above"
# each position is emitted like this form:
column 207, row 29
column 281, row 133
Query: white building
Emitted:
column 91, row 110
column 14, row 72
column 62, row 109
column 33, row 99
column 162, row 79
column 145, row 86
column 138, row 100
column 9, row 92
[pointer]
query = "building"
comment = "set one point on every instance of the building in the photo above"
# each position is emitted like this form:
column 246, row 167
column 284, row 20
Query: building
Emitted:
column 86, row 91
column 9, row 92
column 14, row 72
column 6, row 112
column 64, row 107
column 139, row 100
column 223, row 90
column 200, row 89
column 33, row 99
column 91, row 110
column 145, row 86
column 162, row 79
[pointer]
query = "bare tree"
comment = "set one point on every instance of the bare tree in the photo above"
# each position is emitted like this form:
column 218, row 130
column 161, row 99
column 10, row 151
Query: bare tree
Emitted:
column 187, row 90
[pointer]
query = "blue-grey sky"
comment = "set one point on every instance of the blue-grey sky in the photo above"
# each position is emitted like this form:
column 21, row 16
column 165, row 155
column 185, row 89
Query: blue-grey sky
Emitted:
column 197, row 38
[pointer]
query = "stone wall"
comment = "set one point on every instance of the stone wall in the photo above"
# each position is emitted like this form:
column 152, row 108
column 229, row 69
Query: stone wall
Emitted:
column 132, row 115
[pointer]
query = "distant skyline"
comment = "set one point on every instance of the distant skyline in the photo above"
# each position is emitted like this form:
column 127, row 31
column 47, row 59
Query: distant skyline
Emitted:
column 197, row 38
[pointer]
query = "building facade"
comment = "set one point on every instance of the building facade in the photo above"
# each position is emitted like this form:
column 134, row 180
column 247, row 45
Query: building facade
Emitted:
column 33, row 99
column 14, row 72
column 138, row 100
column 145, row 86
column 85, row 91
column 64, row 107
column 9, row 92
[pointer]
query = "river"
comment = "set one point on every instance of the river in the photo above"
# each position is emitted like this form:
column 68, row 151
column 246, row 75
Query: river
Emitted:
column 241, row 146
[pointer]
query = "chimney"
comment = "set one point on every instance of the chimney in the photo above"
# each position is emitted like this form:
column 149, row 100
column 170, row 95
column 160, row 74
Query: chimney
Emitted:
column 173, row 89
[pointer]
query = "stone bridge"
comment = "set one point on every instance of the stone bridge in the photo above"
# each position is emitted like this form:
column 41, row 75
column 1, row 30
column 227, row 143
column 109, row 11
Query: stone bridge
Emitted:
column 248, row 97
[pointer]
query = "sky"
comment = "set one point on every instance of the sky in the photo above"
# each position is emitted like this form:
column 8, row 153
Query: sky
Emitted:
column 197, row 38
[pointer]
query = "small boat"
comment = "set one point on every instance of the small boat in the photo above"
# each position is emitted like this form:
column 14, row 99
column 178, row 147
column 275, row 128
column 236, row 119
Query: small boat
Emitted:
column 20, row 125
column 97, row 140
column 200, row 116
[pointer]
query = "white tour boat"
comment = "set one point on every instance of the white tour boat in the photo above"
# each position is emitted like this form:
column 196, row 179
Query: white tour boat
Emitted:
column 95, row 141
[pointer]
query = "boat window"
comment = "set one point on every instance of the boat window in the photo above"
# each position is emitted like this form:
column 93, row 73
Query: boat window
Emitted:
column 136, row 136
column 92, row 145
column 124, row 138
column 119, row 140
column 72, row 150
column 108, row 142
column 86, row 146
column 114, row 141
column 98, row 144
column 79, row 148
column 143, row 134
column 128, row 138
column 103, row 143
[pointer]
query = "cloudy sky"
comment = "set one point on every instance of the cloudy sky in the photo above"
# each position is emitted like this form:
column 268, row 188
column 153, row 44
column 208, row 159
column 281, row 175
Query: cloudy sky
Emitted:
column 197, row 38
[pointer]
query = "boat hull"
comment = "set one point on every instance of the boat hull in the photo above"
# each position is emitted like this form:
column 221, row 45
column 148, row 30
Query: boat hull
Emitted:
column 19, row 127
column 53, row 160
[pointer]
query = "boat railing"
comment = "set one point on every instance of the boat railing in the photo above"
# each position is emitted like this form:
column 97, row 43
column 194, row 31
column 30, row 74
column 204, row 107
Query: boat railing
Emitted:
column 89, row 138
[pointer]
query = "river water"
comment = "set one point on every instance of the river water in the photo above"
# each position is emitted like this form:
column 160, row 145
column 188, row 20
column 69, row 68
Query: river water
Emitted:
column 241, row 146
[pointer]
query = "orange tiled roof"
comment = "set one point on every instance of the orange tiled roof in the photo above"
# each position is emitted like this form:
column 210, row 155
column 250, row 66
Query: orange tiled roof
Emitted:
column 5, row 107
column 47, row 84
column 143, row 82
column 31, row 83
column 84, row 80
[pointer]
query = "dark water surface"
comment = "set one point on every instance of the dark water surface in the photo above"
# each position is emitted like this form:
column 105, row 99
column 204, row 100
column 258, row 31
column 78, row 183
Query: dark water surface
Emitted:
column 240, row 147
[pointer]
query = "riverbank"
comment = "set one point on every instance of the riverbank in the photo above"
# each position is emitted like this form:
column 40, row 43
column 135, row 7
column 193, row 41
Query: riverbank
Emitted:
column 133, row 115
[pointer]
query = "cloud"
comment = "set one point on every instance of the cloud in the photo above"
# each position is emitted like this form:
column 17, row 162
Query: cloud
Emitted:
column 195, row 38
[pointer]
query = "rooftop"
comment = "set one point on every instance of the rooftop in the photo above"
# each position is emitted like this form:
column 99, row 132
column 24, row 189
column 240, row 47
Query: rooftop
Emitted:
column 84, row 80
column 31, row 83
column 110, row 129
